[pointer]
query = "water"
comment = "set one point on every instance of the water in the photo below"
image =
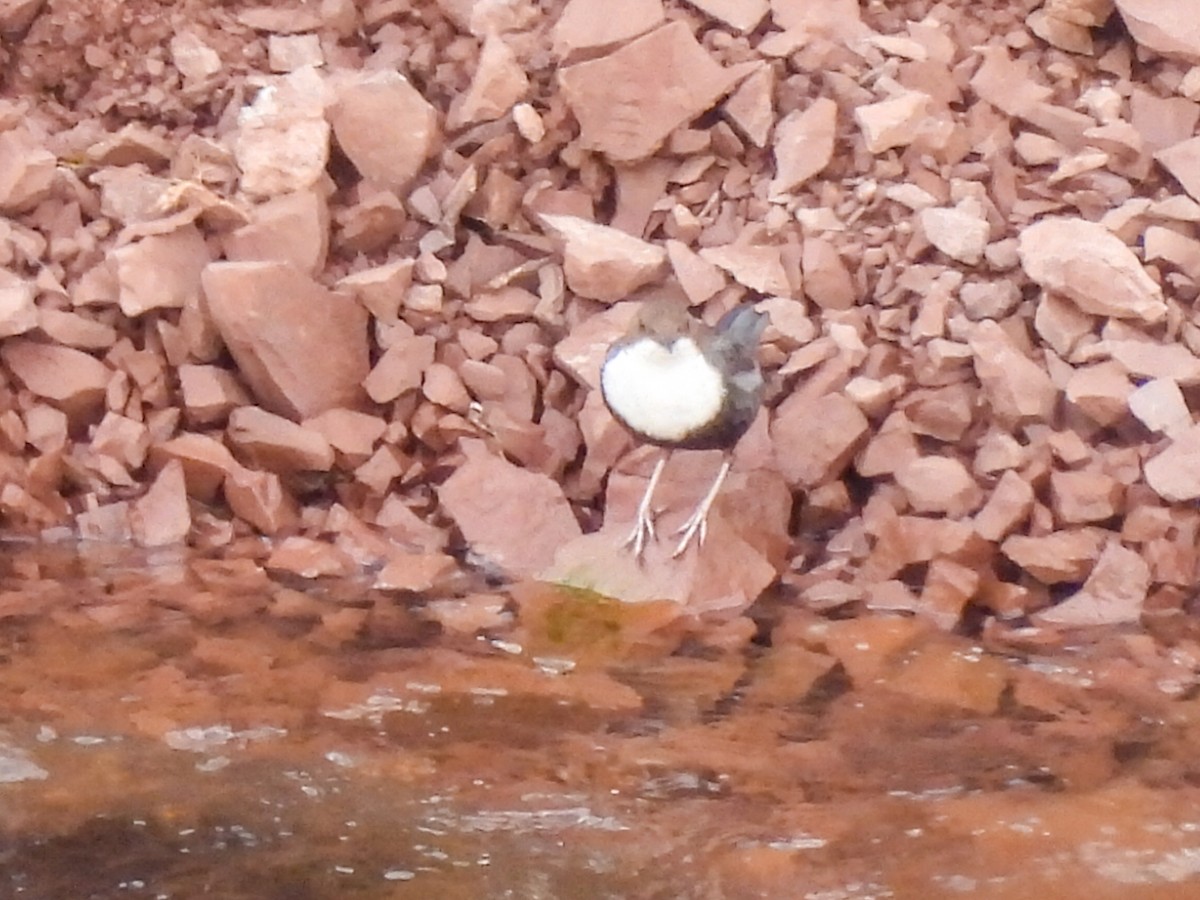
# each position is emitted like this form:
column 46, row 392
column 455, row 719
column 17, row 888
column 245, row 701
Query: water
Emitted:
column 177, row 727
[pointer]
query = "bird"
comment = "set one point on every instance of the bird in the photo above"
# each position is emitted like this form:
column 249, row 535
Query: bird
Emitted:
column 679, row 384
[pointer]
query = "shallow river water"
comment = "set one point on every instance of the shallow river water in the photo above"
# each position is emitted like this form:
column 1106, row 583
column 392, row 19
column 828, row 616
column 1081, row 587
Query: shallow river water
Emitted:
column 174, row 727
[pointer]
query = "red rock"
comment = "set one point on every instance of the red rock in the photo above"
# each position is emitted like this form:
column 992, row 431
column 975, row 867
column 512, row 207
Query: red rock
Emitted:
column 790, row 327
column 45, row 428
column 1150, row 359
column 351, row 433
column 1062, row 324
column 804, row 143
column 944, row 413
column 75, row 329
column 309, row 559
column 961, row 232
column 628, row 102
column 939, row 484
column 581, row 353
column 1181, row 160
column 949, row 586
column 401, row 368
column 505, row 303
column 70, row 379
column 195, row 60
column 1006, row 508
column 291, row 228
column 405, row 527
column 281, row 19
column 301, row 348
column 385, row 127
column 282, row 139
column 18, row 314
column 1017, row 388
column 1038, row 149
column 1087, row 263
column 890, row 448
column 582, row 24
column 1113, row 594
column 378, row 472
column 108, row 523
column 757, row 266
column 122, row 439
column 498, row 83
column 381, row 289
column 1164, row 122
column 512, row 519
column 529, row 125
column 277, row 444
column 1174, row 474
column 1165, row 26
column 895, row 122
column 209, row 393
column 827, row 281
column 443, row 387
column 161, row 516
column 603, row 263
column 133, row 144
column 260, row 499
column 699, row 278
column 1160, row 406
column 747, row 537
column 1061, row 556
column 26, row 170
column 740, row 15
column 1179, row 250
column 17, row 15
column 289, row 52
column 1084, row 496
column 160, row 271
column 815, row 441
column 751, row 108
column 206, row 462
column 416, row 572
column 1102, row 391
column 840, row 19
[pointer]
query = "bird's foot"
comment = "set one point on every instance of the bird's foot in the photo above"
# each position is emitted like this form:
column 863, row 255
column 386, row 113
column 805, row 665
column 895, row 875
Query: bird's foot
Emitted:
column 643, row 531
column 643, row 524
column 697, row 524
column 695, row 527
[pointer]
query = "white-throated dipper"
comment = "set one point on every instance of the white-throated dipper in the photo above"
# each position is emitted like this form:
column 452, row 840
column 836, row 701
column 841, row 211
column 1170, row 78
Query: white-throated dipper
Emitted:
column 682, row 385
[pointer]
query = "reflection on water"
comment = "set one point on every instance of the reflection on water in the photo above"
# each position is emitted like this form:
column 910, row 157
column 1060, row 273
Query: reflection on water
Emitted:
column 175, row 727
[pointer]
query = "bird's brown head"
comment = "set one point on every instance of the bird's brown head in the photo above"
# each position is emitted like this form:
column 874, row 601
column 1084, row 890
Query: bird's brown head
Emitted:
column 664, row 320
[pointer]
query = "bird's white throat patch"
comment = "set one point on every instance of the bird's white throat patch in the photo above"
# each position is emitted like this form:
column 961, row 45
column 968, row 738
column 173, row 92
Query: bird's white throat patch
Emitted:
column 664, row 394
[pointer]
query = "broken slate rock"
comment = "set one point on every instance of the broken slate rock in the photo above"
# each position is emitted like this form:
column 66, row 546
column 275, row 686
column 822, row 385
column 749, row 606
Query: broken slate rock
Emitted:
column 747, row 539
column 300, row 347
column 282, row 139
column 1174, row 474
column 815, row 441
column 513, row 520
column 604, row 263
column 629, row 101
column 385, row 127
column 1017, row 387
column 1113, row 594
column 1092, row 266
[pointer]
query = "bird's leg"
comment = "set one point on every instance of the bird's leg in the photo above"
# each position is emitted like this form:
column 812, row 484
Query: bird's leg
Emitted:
column 697, row 524
column 643, row 526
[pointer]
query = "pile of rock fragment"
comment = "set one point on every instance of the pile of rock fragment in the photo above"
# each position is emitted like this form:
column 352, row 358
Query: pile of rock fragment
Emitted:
column 342, row 275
